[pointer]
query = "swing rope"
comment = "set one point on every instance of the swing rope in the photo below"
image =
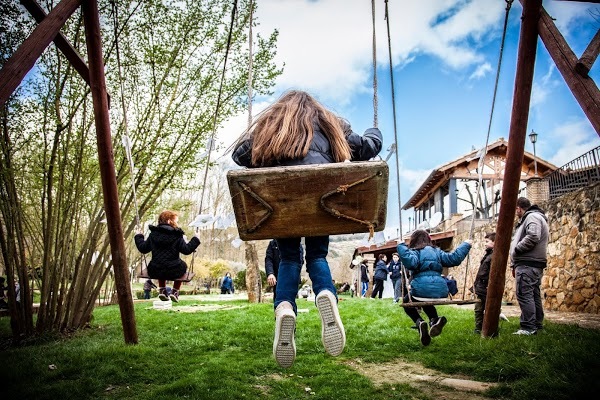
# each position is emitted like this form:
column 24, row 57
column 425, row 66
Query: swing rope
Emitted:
column 215, row 117
column 480, row 166
column 125, row 139
column 481, row 163
column 375, row 101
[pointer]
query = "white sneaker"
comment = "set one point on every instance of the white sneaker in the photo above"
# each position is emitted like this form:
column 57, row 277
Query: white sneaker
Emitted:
column 333, row 335
column 503, row 317
column 524, row 332
column 284, row 346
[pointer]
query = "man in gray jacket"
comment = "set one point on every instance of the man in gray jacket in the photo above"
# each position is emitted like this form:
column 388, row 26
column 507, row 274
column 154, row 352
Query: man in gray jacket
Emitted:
column 528, row 259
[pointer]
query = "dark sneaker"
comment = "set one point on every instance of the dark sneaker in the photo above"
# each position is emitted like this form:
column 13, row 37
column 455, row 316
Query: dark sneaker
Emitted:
column 174, row 296
column 162, row 294
column 437, row 326
column 477, row 331
column 424, row 333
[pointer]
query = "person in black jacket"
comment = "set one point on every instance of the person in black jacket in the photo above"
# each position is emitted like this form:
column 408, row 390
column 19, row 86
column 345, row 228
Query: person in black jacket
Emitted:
column 379, row 276
column 395, row 271
column 272, row 260
column 481, row 280
column 165, row 242
column 364, row 279
column 298, row 130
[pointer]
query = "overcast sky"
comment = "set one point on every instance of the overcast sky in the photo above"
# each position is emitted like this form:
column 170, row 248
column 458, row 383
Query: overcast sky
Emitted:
column 444, row 55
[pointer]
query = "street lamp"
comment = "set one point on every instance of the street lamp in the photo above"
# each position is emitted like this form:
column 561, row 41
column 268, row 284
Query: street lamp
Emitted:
column 533, row 139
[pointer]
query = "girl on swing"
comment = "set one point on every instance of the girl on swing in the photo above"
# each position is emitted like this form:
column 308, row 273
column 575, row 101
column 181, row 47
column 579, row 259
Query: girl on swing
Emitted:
column 298, row 130
column 165, row 242
column 426, row 262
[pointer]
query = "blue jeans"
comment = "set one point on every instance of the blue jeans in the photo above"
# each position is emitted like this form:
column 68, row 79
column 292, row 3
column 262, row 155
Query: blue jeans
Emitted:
column 365, row 287
column 397, row 285
column 288, row 276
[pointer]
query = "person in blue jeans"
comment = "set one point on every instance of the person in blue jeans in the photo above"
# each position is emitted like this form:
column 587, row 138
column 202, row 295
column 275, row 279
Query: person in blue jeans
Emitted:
column 395, row 271
column 298, row 130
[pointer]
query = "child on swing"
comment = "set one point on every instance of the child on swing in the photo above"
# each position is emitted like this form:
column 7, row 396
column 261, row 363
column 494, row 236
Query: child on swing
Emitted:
column 165, row 242
column 426, row 262
column 298, row 130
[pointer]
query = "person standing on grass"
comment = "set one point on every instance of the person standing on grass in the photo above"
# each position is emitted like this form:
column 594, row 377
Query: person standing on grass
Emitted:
column 227, row 284
column 364, row 279
column 272, row 260
column 148, row 286
column 528, row 260
column 298, row 130
column 165, row 242
column 426, row 262
column 379, row 276
column 395, row 271
column 481, row 280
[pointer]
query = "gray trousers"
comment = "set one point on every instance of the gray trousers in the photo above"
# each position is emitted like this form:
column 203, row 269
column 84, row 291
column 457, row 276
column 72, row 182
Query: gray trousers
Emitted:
column 529, row 297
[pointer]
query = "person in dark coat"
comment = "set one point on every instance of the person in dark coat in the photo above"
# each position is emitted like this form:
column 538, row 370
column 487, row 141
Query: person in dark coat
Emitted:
column 227, row 284
column 272, row 260
column 364, row 279
column 165, row 242
column 298, row 130
column 395, row 271
column 481, row 280
column 148, row 286
column 379, row 276
column 426, row 263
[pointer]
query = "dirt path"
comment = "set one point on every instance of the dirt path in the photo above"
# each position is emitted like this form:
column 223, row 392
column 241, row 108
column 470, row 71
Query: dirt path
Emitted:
column 425, row 380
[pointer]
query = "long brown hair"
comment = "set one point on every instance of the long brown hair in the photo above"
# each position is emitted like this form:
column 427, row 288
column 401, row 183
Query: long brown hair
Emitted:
column 285, row 130
column 420, row 239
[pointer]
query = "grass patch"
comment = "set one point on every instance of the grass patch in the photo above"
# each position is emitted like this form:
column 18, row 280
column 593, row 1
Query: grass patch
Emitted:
column 226, row 354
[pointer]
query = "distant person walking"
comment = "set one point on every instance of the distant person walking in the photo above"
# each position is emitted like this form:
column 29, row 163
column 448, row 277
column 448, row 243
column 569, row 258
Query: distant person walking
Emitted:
column 364, row 279
column 379, row 276
column 395, row 271
column 148, row 286
column 227, row 284
column 528, row 254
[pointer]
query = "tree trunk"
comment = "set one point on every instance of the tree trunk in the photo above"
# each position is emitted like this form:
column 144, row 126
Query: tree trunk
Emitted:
column 253, row 284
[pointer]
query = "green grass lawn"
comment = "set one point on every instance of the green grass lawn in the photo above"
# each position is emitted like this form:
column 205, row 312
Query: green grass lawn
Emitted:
column 226, row 354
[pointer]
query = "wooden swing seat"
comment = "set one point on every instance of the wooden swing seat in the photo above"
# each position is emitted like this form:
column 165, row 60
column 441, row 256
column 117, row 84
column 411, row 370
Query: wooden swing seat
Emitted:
column 309, row 200
column 188, row 276
column 426, row 301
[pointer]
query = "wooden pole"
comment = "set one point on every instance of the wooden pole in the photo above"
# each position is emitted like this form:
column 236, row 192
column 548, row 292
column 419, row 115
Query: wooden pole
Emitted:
column 21, row 62
column 514, row 160
column 107, row 169
column 582, row 86
column 588, row 58
column 60, row 41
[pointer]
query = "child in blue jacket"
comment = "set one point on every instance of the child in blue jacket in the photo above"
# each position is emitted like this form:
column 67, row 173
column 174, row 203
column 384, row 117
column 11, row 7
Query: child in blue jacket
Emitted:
column 426, row 262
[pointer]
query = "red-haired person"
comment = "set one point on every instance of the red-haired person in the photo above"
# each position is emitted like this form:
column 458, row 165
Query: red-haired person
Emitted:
column 165, row 242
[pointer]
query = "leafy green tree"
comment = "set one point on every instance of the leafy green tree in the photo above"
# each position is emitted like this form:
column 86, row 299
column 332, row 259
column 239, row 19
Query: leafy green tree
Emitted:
column 168, row 76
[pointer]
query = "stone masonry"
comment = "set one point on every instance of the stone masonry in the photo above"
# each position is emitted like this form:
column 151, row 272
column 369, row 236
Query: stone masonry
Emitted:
column 571, row 282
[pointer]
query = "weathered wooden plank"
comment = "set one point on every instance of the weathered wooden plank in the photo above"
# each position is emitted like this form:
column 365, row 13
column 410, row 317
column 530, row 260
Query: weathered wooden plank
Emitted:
column 312, row 200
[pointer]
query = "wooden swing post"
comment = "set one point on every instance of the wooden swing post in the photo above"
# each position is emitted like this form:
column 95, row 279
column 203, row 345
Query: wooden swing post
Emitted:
column 514, row 159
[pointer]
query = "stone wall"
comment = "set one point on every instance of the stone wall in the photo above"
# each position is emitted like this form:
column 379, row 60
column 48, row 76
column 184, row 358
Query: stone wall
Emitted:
column 572, row 280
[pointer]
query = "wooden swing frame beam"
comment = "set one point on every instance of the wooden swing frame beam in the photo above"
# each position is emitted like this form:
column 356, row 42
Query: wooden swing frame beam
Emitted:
column 535, row 22
column 11, row 75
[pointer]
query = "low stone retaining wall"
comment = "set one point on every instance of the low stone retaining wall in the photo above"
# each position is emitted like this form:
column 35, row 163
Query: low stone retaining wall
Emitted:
column 572, row 280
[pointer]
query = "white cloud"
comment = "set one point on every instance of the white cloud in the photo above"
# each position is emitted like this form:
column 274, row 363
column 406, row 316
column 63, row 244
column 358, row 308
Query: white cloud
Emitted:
column 576, row 138
column 481, row 71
